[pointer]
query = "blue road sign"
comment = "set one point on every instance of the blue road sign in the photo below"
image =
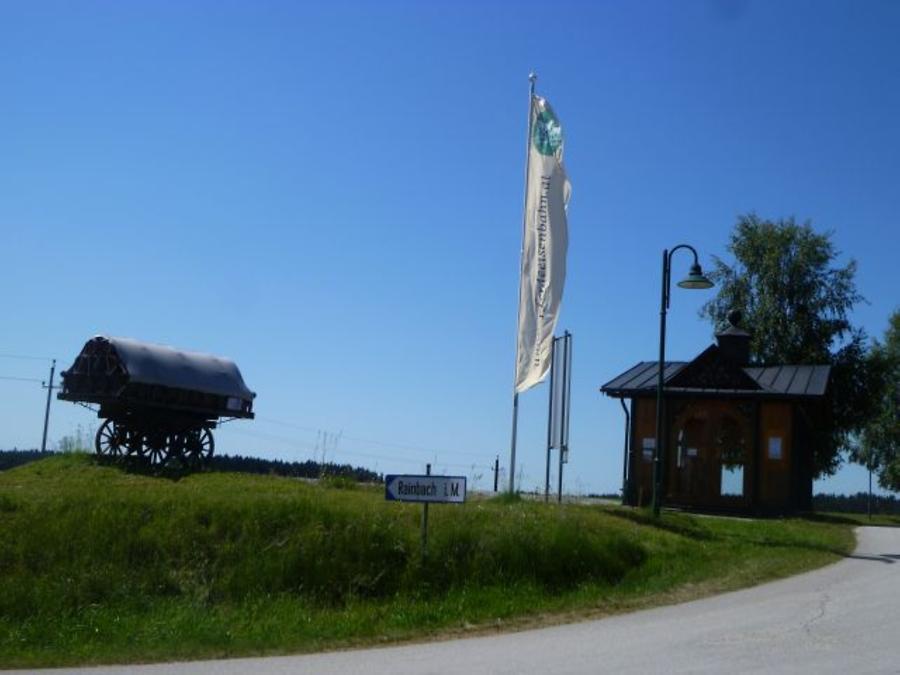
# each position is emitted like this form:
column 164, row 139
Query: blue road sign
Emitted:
column 428, row 489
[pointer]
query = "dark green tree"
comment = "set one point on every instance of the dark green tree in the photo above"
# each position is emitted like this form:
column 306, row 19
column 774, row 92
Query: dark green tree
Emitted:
column 879, row 443
column 796, row 301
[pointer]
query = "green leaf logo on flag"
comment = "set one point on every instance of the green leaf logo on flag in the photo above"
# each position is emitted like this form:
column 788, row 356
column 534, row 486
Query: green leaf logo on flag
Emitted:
column 547, row 135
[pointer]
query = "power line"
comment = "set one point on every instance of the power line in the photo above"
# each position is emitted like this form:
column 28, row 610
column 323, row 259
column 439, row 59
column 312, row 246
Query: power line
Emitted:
column 414, row 460
column 271, row 437
column 358, row 439
column 294, row 442
column 47, row 384
column 298, row 444
column 355, row 453
column 285, row 424
column 413, row 447
column 25, row 357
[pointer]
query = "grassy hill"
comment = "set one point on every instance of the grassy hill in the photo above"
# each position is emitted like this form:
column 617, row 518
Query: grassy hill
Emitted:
column 98, row 564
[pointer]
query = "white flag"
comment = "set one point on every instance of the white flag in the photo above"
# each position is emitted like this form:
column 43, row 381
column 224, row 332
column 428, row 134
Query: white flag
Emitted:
column 545, row 243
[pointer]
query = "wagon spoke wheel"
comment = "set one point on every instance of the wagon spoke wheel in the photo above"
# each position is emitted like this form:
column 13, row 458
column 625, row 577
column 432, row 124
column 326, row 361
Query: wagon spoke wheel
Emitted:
column 198, row 446
column 156, row 448
column 176, row 443
column 134, row 442
column 110, row 440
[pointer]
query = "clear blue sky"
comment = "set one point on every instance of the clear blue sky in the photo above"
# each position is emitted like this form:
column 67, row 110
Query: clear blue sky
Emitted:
column 331, row 195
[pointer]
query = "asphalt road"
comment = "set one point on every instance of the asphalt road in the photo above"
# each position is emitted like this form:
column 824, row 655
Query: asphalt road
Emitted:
column 844, row 618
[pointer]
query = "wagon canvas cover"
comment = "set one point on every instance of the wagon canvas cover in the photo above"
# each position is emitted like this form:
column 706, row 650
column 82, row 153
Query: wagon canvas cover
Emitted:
column 119, row 372
column 157, row 364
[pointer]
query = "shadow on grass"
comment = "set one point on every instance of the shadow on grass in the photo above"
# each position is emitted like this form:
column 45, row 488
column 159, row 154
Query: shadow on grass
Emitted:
column 829, row 518
column 134, row 465
column 687, row 527
column 856, row 519
column 683, row 526
column 808, row 545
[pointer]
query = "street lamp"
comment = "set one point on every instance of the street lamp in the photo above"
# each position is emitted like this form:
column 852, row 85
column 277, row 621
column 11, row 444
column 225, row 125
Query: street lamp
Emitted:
column 697, row 280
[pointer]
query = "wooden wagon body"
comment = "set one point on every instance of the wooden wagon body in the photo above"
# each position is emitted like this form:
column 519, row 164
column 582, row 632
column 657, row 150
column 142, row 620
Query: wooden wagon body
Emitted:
column 157, row 402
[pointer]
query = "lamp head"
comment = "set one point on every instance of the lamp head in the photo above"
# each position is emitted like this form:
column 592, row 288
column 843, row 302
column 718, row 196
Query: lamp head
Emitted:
column 696, row 279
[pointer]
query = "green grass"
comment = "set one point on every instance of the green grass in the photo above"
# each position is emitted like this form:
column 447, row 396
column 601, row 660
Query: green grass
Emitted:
column 876, row 520
column 98, row 564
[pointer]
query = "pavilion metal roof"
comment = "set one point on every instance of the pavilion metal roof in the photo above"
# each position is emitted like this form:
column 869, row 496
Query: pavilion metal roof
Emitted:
column 785, row 380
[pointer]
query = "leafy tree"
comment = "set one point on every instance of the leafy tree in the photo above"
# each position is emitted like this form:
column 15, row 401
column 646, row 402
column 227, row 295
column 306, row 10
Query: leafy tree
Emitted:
column 879, row 446
column 796, row 303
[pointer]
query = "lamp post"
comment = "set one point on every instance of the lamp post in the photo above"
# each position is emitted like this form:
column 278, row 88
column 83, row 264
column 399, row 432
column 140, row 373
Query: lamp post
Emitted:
column 695, row 279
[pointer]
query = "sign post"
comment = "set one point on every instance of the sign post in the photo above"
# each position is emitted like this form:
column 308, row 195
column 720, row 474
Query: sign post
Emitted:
column 426, row 489
column 560, row 395
column 425, row 520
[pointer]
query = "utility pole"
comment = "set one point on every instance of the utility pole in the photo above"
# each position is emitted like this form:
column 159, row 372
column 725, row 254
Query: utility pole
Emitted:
column 496, row 471
column 50, row 389
column 869, row 502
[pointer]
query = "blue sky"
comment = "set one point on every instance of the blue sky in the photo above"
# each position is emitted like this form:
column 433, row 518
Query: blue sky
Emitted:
column 331, row 195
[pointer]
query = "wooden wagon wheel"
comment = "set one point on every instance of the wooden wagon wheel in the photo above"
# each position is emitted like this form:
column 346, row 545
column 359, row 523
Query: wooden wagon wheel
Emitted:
column 156, row 447
column 110, row 440
column 134, row 442
column 176, row 444
column 199, row 446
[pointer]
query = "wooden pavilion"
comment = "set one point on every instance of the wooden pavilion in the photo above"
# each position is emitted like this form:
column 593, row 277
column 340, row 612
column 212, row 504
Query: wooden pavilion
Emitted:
column 738, row 438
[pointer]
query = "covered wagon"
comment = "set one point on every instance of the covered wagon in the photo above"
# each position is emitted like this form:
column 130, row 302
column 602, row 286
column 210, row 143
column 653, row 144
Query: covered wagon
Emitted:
column 157, row 402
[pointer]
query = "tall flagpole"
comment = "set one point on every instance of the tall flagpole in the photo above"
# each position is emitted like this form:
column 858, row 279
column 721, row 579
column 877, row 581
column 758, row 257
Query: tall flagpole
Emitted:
column 532, row 78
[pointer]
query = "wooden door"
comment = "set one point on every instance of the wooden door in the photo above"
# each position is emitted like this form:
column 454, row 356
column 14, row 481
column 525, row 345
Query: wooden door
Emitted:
column 709, row 458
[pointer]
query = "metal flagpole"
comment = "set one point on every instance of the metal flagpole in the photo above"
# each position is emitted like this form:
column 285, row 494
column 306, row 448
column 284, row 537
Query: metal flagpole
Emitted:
column 564, row 409
column 532, row 78
column 551, row 404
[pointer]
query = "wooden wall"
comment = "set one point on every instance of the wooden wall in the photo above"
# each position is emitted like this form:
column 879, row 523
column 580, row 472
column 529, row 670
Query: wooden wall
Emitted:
column 640, row 470
column 775, row 475
column 775, row 428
